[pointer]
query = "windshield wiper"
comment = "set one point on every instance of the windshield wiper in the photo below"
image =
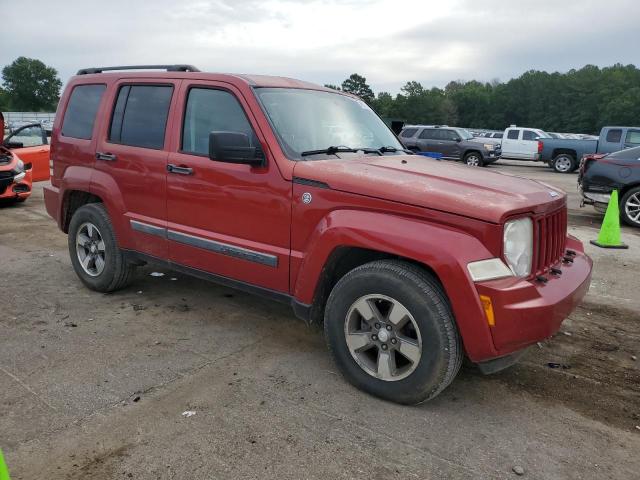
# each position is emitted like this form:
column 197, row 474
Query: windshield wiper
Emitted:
column 332, row 150
column 394, row 149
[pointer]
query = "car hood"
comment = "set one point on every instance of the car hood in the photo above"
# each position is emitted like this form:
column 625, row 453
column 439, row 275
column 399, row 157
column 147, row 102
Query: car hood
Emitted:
column 444, row 186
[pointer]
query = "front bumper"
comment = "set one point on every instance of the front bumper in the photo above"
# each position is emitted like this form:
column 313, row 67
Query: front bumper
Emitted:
column 528, row 311
column 491, row 156
column 16, row 187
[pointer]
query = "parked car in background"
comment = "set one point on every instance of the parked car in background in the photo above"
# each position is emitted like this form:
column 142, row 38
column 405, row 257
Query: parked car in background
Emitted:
column 600, row 174
column 410, row 265
column 498, row 135
column 451, row 142
column 556, row 135
column 563, row 155
column 31, row 144
column 15, row 175
column 522, row 143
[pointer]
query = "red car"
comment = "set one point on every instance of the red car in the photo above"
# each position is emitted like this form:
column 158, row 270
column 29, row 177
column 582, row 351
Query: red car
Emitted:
column 302, row 194
column 15, row 175
column 31, row 144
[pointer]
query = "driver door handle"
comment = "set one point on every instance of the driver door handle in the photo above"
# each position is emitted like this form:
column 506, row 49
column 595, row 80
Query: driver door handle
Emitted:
column 109, row 157
column 171, row 168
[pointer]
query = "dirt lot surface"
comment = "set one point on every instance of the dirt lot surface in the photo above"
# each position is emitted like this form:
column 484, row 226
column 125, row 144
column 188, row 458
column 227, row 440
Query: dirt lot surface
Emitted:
column 95, row 386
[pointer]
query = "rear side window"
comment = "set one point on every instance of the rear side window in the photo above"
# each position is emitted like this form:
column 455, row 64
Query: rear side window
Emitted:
column 428, row 133
column 614, row 135
column 210, row 111
column 529, row 135
column 81, row 111
column 140, row 115
column 513, row 134
column 408, row 132
column 633, row 137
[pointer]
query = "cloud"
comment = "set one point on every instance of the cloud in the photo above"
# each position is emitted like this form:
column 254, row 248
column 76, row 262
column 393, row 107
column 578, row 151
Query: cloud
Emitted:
column 324, row 41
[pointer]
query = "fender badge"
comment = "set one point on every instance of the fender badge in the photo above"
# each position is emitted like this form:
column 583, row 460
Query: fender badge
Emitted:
column 553, row 194
column 306, row 197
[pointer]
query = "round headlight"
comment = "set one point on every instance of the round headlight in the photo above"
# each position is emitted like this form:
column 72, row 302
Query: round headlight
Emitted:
column 518, row 246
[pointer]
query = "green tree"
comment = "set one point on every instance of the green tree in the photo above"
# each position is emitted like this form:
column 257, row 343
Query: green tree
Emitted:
column 384, row 105
column 357, row 85
column 580, row 101
column 4, row 101
column 334, row 87
column 31, row 85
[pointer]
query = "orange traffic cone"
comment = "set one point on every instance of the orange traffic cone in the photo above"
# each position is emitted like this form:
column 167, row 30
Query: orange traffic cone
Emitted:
column 609, row 236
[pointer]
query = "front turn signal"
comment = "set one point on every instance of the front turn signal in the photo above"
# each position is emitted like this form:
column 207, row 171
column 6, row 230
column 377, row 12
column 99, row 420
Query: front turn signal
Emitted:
column 488, row 310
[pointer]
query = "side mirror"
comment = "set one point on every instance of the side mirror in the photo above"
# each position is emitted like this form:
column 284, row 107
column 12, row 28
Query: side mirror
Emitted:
column 458, row 139
column 234, row 147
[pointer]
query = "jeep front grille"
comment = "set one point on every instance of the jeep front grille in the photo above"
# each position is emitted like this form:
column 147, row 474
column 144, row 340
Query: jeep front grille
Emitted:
column 551, row 235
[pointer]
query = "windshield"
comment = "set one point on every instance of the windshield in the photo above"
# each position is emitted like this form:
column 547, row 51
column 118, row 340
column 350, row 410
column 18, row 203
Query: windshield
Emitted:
column 464, row 134
column 309, row 120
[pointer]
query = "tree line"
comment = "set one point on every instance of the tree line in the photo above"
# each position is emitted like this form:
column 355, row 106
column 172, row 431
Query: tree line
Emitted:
column 580, row 101
column 28, row 85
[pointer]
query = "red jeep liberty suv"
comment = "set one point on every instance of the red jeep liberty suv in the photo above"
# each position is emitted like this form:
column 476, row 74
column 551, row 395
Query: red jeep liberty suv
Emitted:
column 300, row 193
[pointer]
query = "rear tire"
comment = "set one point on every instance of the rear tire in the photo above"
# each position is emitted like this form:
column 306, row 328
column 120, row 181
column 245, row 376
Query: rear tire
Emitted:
column 474, row 159
column 630, row 207
column 94, row 251
column 564, row 163
column 409, row 349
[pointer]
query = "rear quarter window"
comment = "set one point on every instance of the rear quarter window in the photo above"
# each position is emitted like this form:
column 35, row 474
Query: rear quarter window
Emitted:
column 408, row 132
column 80, row 115
column 529, row 135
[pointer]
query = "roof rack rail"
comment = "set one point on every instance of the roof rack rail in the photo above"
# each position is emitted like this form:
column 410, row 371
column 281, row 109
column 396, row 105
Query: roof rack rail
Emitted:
column 168, row 68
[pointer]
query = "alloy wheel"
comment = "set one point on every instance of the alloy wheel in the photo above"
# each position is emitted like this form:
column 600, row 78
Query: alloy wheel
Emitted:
column 473, row 160
column 632, row 208
column 563, row 164
column 90, row 249
column 383, row 337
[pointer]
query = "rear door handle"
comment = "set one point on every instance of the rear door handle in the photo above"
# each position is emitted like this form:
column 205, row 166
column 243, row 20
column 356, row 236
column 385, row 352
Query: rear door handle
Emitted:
column 171, row 168
column 108, row 157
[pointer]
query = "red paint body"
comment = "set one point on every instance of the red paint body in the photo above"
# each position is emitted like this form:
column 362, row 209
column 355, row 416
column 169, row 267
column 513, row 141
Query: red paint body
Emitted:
column 437, row 214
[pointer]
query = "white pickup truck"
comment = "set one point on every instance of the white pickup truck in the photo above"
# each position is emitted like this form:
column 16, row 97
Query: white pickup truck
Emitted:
column 523, row 143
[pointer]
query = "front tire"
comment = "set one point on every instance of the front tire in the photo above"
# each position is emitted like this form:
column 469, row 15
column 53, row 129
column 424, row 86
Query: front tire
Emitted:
column 564, row 163
column 389, row 327
column 94, row 251
column 474, row 159
column 630, row 207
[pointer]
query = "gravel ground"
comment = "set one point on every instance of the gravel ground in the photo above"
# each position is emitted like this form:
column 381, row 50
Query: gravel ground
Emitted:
column 95, row 386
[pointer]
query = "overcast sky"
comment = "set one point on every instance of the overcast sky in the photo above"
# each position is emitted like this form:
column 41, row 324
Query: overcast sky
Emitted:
column 324, row 41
